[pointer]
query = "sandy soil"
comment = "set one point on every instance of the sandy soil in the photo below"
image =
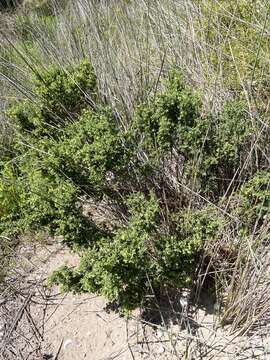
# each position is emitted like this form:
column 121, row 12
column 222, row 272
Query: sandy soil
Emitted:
column 79, row 326
column 76, row 327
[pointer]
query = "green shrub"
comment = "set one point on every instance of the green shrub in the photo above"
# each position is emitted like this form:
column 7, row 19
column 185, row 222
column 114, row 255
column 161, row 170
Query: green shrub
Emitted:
column 89, row 149
column 142, row 256
column 212, row 146
column 50, row 169
column 65, row 91
column 224, row 149
column 35, row 201
column 168, row 114
column 119, row 267
column 255, row 198
column 65, row 146
column 179, row 252
column 61, row 96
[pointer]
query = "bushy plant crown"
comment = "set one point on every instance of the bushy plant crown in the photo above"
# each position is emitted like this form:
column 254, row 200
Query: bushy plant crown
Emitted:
column 69, row 150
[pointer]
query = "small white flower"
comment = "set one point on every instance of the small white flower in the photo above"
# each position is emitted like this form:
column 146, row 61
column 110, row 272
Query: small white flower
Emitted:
column 110, row 176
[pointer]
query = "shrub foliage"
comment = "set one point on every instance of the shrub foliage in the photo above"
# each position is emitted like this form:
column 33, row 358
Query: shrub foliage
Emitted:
column 70, row 150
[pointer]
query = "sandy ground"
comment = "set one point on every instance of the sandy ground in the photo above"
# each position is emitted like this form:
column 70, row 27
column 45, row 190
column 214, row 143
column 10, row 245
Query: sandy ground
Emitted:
column 79, row 326
column 75, row 327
